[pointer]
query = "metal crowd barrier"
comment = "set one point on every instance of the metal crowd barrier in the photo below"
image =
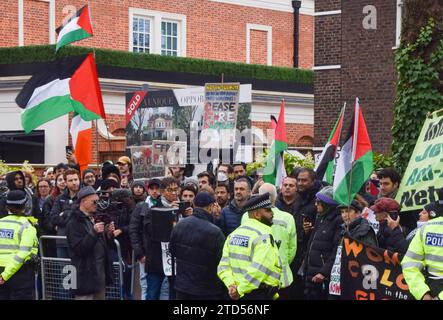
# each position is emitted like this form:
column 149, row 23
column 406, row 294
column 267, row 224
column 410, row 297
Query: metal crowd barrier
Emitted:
column 56, row 271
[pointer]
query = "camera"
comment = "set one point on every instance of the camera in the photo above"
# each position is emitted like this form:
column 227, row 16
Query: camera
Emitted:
column 102, row 217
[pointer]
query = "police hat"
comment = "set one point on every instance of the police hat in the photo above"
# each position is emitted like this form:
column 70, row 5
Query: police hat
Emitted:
column 16, row 198
column 435, row 209
column 262, row 201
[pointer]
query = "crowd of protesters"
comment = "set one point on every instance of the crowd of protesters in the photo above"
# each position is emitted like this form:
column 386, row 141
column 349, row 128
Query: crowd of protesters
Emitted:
column 93, row 208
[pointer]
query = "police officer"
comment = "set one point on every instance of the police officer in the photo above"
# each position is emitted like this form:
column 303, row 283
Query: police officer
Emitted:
column 285, row 236
column 423, row 262
column 18, row 248
column 250, row 266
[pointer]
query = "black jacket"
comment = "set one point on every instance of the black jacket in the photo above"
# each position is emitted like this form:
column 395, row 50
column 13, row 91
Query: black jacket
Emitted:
column 230, row 218
column 303, row 205
column 63, row 203
column 84, row 247
column 140, row 232
column 136, row 229
column 32, row 203
column 120, row 214
column 46, row 224
column 361, row 230
column 392, row 240
column 197, row 245
column 322, row 246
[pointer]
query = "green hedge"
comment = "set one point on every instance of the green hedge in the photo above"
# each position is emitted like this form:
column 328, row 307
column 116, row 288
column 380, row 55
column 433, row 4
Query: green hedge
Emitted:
column 106, row 57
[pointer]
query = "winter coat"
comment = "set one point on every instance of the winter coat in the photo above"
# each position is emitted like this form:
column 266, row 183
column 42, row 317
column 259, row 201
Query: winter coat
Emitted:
column 136, row 229
column 140, row 232
column 121, row 215
column 61, row 213
column 392, row 240
column 230, row 218
column 322, row 245
column 32, row 203
column 86, row 248
column 197, row 245
column 361, row 230
column 303, row 205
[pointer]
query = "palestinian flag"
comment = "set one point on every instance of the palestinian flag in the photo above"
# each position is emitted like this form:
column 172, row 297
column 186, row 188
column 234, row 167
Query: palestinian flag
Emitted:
column 275, row 171
column 355, row 160
column 325, row 166
column 67, row 85
column 76, row 28
column 81, row 134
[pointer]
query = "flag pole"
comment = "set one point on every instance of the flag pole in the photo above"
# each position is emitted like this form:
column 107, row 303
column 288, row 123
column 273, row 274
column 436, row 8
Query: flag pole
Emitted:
column 343, row 111
column 354, row 147
column 96, row 143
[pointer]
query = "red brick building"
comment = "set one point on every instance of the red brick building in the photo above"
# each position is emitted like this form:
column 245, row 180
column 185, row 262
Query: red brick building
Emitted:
column 271, row 32
column 355, row 43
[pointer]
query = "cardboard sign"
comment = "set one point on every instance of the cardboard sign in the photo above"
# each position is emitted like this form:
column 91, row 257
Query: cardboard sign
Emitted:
column 168, row 153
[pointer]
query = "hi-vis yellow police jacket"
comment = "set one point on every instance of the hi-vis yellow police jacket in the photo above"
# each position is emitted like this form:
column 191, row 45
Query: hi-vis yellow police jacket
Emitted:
column 425, row 250
column 250, row 258
column 285, row 236
column 18, row 242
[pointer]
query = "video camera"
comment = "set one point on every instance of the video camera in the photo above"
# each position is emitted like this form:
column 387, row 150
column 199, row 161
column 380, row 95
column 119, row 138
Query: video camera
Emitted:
column 109, row 199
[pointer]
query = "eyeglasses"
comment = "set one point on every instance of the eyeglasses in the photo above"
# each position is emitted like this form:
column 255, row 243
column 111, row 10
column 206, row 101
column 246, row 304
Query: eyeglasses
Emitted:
column 172, row 190
column 43, row 187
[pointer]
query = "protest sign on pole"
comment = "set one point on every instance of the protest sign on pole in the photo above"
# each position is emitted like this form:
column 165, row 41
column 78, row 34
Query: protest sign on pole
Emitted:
column 369, row 273
column 141, row 157
column 168, row 153
column 424, row 174
column 220, row 111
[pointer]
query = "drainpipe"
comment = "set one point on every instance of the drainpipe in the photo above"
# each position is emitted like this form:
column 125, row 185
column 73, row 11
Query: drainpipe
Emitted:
column 296, row 4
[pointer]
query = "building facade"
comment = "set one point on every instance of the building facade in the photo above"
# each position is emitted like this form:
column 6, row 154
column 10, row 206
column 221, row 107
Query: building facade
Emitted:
column 270, row 32
column 355, row 42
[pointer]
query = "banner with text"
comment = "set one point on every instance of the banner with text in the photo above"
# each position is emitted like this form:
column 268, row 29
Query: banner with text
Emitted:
column 424, row 175
column 369, row 273
column 220, row 113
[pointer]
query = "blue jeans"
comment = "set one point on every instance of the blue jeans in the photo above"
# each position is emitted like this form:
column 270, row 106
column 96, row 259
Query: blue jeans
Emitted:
column 143, row 281
column 155, row 292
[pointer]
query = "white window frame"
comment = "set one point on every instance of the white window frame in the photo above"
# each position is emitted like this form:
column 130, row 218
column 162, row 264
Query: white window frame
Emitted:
column 156, row 35
column 398, row 24
column 259, row 27
column 178, row 34
column 151, row 34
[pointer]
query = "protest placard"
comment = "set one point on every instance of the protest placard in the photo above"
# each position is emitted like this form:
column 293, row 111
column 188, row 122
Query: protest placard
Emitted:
column 424, row 174
column 142, row 167
column 168, row 153
column 369, row 273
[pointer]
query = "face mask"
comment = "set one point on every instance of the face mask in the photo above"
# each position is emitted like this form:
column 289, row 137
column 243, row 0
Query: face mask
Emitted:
column 221, row 177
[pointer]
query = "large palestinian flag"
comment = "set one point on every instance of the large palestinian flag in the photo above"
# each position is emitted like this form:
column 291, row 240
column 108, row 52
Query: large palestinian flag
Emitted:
column 66, row 85
column 354, row 165
column 76, row 28
column 325, row 167
column 275, row 171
